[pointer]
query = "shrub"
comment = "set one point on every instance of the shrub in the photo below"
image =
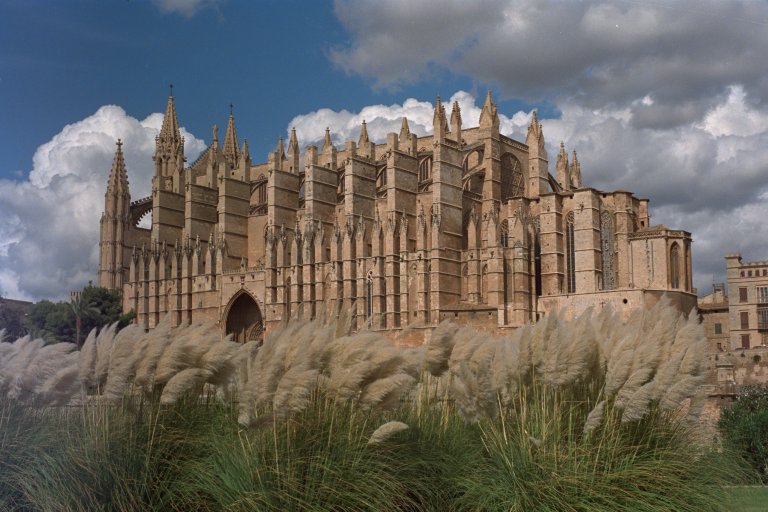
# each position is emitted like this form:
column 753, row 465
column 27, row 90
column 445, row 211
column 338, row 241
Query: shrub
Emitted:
column 744, row 427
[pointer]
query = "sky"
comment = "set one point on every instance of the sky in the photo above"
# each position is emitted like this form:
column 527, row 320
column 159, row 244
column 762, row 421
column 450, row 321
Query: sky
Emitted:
column 664, row 99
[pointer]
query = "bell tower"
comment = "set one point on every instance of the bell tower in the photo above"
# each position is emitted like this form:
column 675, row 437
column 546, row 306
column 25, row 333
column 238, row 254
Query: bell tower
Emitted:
column 115, row 222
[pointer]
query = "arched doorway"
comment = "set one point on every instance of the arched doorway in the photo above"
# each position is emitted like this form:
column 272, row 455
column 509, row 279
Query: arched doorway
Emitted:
column 244, row 320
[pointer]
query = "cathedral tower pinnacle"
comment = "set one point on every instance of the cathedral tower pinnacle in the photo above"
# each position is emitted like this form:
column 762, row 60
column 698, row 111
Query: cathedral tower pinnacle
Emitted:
column 114, row 222
column 231, row 151
column 169, row 148
column 563, row 171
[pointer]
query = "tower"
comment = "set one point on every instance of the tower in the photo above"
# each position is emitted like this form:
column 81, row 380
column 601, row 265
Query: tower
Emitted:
column 115, row 221
column 169, row 152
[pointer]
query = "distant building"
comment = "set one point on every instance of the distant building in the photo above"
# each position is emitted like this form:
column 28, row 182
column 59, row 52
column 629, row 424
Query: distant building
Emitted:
column 464, row 223
column 748, row 302
column 715, row 317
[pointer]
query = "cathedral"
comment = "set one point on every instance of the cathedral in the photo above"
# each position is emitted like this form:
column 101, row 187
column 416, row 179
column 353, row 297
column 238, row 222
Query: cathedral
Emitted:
column 464, row 224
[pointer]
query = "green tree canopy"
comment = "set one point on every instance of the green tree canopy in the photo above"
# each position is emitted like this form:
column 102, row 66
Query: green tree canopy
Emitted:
column 57, row 321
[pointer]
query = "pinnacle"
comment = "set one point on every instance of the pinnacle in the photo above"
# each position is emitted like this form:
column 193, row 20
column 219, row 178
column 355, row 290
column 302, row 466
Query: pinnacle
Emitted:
column 293, row 142
column 327, row 143
column 405, row 130
column 363, row 135
column 231, row 150
column 118, row 176
column 170, row 129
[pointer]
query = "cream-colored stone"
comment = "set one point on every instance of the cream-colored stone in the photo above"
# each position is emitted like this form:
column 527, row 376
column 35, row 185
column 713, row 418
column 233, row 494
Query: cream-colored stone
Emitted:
column 464, row 224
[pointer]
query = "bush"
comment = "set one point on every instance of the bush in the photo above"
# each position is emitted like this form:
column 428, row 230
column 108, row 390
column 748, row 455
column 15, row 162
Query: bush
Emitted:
column 744, row 428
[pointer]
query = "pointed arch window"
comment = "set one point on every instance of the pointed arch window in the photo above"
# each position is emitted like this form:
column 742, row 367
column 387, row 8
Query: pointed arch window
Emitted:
column 484, row 285
column 570, row 255
column 537, row 254
column 504, row 233
column 512, row 183
column 464, row 282
column 340, row 186
column 425, row 169
column 674, row 265
column 381, row 181
column 369, row 297
column 608, row 251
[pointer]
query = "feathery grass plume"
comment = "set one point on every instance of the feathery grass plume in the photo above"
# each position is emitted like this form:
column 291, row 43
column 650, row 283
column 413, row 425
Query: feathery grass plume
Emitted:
column 595, row 418
column 186, row 381
column 88, row 356
column 104, row 343
column 387, row 392
column 294, row 390
column 149, row 351
column 186, row 349
column 440, row 346
column 222, row 360
column 122, row 362
column 40, row 366
column 504, row 380
column 386, row 431
column 64, row 387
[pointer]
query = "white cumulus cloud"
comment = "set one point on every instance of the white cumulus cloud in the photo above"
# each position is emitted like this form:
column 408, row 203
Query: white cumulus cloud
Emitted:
column 707, row 178
column 186, row 8
column 49, row 230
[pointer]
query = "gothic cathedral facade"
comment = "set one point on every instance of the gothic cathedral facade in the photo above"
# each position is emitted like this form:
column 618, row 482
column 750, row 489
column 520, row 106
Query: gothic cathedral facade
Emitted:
column 463, row 224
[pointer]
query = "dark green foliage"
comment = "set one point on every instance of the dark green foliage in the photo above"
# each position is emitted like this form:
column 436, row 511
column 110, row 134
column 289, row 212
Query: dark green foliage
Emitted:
column 744, row 427
column 192, row 455
column 13, row 323
column 57, row 321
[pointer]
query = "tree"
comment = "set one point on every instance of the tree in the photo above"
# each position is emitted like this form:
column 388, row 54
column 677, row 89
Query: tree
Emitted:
column 12, row 322
column 744, row 427
column 95, row 307
column 80, row 308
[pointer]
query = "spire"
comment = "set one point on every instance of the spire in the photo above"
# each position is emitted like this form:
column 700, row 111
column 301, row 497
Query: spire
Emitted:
column 363, row 135
column 456, row 121
column 169, row 145
column 293, row 152
column 575, row 171
column 231, row 150
column 563, row 175
column 327, row 143
column 118, row 177
column 280, row 148
column 245, row 154
column 293, row 142
column 405, row 131
column 489, row 117
column 439, row 123
column 170, row 129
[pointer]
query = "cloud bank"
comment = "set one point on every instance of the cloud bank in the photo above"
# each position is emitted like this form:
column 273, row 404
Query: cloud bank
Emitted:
column 707, row 177
column 664, row 99
column 50, row 229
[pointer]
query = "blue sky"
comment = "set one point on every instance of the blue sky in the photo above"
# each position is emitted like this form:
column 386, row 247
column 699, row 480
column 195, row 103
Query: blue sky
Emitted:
column 666, row 99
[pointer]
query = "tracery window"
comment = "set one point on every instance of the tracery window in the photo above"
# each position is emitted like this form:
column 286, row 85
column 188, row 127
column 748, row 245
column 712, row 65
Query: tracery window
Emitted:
column 570, row 255
column 607, row 245
column 369, row 297
column 674, row 263
column 340, row 186
column 504, row 233
column 537, row 254
column 302, row 193
column 512, row 184
column 381, row 181
column 425, row 169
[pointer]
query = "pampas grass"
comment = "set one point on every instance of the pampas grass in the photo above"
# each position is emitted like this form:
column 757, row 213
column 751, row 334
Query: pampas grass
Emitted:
column 560, row 415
